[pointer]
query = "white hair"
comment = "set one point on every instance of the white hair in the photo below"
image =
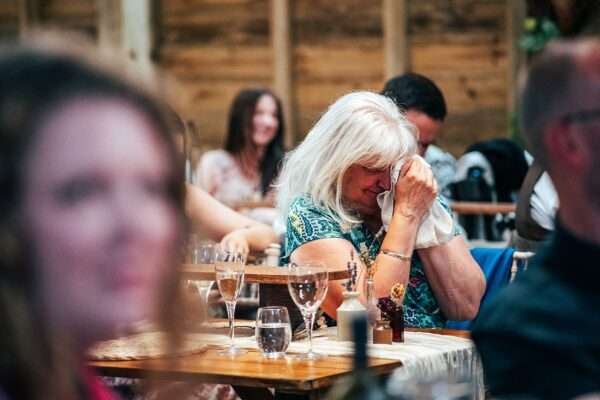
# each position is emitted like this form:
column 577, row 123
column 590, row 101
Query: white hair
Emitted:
column 359, row 128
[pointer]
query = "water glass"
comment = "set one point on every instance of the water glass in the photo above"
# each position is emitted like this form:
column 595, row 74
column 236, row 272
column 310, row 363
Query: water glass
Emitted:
column 273, row 331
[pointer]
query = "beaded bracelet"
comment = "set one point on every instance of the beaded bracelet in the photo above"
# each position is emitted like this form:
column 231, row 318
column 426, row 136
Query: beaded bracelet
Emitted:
column 395, row 254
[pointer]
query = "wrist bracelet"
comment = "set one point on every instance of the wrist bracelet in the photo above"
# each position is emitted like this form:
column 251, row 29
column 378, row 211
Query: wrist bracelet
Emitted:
column 397, row 255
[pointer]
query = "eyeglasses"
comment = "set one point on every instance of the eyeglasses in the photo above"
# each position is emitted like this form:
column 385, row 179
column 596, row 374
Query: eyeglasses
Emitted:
column 581, row 116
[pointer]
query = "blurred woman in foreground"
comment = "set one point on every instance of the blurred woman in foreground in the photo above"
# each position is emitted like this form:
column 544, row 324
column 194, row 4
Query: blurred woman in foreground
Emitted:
column 91, row 217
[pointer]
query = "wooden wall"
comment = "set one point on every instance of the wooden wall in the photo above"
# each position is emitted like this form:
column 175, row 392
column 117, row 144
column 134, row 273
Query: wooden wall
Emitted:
column 216, row 47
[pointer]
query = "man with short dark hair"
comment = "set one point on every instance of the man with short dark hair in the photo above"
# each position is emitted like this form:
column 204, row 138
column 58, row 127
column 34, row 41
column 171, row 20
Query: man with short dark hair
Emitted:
column 540, row 338
column 424, row 105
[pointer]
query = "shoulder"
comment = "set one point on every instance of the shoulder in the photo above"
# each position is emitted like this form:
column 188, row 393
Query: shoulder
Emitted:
column 306, row 217
column 219, row 157
column 541, row 308
column 307, row 221
column 538, row 320
column 436, row 154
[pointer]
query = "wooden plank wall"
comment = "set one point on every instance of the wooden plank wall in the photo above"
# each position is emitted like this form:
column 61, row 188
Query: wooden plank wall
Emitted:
column 216, row 47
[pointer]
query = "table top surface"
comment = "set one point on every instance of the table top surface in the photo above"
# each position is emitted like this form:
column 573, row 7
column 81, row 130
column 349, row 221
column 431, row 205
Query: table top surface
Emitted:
column 252, row 369
column 488, row 208
column 253, row 273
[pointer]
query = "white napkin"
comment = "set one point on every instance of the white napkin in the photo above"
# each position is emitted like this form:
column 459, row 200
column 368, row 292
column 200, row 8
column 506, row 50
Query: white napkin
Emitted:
column 437, row 226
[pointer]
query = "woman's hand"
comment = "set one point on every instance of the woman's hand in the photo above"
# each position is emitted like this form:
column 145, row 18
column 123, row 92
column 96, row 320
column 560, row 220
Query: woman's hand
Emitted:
column 416, row 189
column 236, row 242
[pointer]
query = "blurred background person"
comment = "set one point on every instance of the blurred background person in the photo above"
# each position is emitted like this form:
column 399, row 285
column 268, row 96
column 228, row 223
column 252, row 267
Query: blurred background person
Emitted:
column 539, row 338
column 424, row 105
column 211, row 219
column 92, row 217
column 246, row 168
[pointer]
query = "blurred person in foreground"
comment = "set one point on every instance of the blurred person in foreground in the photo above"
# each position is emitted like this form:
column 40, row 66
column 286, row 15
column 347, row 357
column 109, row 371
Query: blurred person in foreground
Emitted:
column 328, row 192
column 424, row 105
column 91, row 216
column 540, row 337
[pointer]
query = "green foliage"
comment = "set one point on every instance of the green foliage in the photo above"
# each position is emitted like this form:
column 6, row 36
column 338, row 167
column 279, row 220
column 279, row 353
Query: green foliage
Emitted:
column 537, row 32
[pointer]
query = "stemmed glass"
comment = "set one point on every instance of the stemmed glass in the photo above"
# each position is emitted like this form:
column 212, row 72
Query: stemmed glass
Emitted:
column 229, row 271
column 307, row 283
column 204, row 253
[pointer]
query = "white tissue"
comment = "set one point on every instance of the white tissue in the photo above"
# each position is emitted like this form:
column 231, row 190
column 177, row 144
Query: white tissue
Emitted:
column 437, row 226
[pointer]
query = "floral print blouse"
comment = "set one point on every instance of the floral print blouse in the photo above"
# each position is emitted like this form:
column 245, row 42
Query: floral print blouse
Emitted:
column 306, row 222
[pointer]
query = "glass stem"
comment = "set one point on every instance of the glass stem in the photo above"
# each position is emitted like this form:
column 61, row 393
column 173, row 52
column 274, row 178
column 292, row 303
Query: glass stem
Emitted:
column 230, row 315
column 308, row 322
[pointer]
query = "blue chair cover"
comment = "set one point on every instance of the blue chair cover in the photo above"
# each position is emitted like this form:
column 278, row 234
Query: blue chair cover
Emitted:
column 495, row 264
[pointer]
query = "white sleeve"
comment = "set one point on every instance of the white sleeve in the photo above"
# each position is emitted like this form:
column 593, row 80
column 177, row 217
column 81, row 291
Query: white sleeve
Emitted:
column 204, row 173
column 544, row 202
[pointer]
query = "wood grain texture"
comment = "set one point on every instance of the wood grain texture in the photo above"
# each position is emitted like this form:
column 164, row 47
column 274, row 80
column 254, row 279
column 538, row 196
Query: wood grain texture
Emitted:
column 253, row 274
column 252, row 370
column 468, row 207
column 218, row 47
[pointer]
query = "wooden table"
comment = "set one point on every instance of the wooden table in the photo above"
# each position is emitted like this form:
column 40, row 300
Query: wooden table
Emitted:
column 471, row 207
column 251, row 374
column 253, row 274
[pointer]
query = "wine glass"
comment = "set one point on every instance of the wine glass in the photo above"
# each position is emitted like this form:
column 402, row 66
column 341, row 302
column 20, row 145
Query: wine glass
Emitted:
column 273, row 331
column 203, row 253
column 229, row 271
column 307, row 283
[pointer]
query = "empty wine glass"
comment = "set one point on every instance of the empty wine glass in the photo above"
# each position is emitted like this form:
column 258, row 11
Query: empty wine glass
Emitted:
column 203, row 253
column 307, row 283
column 273, row 331
column 229, row 271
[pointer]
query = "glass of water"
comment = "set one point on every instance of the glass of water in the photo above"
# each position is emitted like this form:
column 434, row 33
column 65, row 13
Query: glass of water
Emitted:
column 273, row 331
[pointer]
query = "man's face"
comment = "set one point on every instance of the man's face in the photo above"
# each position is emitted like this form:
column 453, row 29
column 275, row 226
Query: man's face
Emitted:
column 592, row 183
column 428, row 129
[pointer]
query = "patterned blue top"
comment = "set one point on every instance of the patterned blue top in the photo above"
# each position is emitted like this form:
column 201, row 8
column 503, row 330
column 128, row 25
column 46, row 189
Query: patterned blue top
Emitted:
column 307, row 222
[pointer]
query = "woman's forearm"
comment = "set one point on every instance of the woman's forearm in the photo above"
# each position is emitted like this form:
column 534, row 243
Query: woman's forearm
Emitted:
column 391, row 270
column 455, row 278
column 217, row 220
column 259, row 236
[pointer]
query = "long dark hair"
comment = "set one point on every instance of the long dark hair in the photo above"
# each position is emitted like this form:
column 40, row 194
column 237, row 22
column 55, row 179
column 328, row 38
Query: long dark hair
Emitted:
column 239, row 133
column 34, row 82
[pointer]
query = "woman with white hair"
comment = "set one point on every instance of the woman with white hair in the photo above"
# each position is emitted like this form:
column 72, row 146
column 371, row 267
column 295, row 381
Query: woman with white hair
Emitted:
column 328, row 190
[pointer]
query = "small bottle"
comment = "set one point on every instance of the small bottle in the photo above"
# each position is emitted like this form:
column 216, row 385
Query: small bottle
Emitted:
column 272, row 253
column 350, row 309
column 397, row 323
column 382, row 332
column 361, row 384
column 373, row 311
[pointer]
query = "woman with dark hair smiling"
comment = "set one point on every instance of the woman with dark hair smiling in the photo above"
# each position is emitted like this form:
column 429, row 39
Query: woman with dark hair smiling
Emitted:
column 248, row 165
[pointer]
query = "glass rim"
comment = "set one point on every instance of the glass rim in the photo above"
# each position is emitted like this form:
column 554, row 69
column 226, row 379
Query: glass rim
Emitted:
column 230, row 266
column 272, row 308
column 306, row 264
